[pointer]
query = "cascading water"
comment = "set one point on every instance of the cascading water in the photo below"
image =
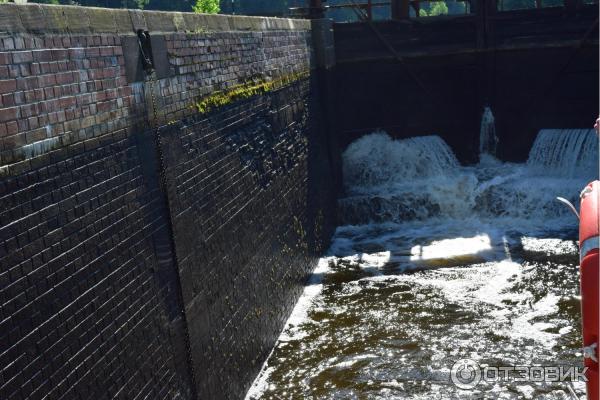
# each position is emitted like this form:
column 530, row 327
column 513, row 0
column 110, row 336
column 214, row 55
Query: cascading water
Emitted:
column 388, row 180
column 438, row 262
column 376, row 160
column 488, row 141
column 568, row 153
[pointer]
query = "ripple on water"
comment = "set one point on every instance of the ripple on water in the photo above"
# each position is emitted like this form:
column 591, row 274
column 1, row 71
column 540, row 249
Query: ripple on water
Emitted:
column 443, row 263
column 368, row 332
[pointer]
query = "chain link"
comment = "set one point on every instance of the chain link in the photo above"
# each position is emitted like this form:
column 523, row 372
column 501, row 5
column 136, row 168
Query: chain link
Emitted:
column 152, row 82
column 152, row 85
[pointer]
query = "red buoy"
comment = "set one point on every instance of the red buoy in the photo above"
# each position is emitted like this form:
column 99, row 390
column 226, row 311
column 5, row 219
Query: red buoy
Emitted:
column 590, row 297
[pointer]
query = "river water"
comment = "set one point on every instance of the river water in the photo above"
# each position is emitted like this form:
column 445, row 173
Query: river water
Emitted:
column 436, row 262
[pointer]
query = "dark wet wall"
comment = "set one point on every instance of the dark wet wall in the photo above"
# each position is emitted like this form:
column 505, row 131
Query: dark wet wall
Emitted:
column 152, row 247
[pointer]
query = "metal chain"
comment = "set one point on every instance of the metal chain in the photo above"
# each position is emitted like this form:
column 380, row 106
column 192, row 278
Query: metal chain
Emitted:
column 157, row 136
column 152, row 83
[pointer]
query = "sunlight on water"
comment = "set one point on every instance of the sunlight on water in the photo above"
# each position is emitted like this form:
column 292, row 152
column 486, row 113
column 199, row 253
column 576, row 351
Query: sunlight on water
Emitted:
column 434, row 263
column 448, row 248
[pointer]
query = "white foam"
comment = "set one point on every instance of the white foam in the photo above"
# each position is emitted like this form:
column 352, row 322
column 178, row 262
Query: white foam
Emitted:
column 451, row 248
column 418, row 179
column 409, row 203
column 549, row 246
column 524, row 326
column 565, row 152
column 312, row 289
column 377, row 159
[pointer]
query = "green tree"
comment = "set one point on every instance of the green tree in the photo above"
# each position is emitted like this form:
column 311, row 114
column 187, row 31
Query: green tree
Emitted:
column 207, row 6
column 437, row 8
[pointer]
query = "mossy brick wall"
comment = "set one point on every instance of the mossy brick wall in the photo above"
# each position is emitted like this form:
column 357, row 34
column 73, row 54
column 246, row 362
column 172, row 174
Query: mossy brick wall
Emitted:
column 149, row 250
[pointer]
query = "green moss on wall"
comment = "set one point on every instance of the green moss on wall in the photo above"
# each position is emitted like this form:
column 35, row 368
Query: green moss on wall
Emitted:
column 253, row 87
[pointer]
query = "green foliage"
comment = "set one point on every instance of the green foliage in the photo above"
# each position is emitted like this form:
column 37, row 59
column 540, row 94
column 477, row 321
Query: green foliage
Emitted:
column 438, row 9
column 435, row 9
column 207, row 7
column 165, row 5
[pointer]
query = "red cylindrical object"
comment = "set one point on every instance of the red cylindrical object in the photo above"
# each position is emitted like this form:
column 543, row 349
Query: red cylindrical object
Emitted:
column 590, row 280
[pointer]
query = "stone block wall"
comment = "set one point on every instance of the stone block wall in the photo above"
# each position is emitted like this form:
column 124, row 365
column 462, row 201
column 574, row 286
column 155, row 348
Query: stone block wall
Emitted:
column 234, row 168
column 86, row 287
column 57, row 90
column 156, row 227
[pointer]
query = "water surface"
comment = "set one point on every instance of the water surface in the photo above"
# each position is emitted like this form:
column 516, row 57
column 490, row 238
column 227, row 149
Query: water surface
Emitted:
column 435, row 263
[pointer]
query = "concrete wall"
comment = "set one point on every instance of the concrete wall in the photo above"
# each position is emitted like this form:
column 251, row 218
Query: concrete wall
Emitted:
column 156, row 228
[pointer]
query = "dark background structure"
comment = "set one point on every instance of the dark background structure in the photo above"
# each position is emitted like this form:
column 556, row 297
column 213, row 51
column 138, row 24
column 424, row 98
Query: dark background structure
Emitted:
column 535, row 68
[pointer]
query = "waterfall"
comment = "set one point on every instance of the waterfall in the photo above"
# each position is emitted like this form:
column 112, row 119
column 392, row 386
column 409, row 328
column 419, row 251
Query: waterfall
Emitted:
column 395, row 180
column 377, row 159
column 565, row 152
column 487, row 134
column 419, row 178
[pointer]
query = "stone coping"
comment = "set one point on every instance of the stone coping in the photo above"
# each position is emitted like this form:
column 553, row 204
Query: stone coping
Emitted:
column 58, row 19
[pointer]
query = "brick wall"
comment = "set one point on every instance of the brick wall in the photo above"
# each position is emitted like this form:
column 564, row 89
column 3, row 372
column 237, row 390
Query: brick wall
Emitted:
column 202, row 63
column 239, row 199
column 149, row 249
column 57, row 89
column 86, row 307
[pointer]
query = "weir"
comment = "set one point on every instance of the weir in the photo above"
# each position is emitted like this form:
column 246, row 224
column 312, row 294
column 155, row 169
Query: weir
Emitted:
column 435, row 75
column 170, row 181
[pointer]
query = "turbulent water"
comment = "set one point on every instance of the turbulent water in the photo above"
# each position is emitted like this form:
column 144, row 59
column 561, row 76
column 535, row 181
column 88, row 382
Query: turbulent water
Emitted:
column 434, row 263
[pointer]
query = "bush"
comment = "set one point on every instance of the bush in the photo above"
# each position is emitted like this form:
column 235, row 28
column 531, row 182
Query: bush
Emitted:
column 207, row 7
column 437, row 8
